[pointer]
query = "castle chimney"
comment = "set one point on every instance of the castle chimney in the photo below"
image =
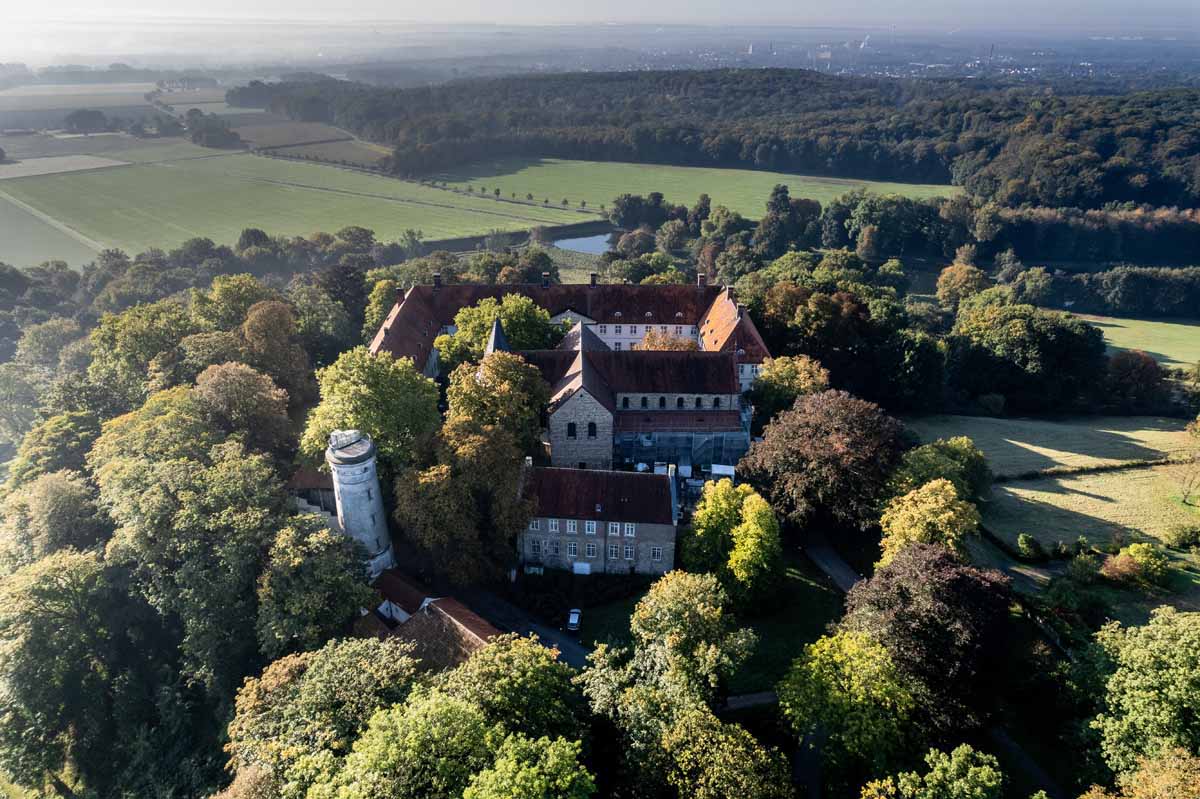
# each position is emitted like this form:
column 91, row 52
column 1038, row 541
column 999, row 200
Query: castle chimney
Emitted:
column 741, row 309
column 437, row 280
column 545, row 280
column 729, row 292
column 701, row 280
column 593, row 278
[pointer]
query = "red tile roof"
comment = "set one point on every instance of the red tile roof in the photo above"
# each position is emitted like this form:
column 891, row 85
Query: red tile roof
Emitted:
column 308, row 479
column 467, row 619
column 620, row 496
column 684, row 421
column 401, row 591
column 667, row 371
column 726, row 327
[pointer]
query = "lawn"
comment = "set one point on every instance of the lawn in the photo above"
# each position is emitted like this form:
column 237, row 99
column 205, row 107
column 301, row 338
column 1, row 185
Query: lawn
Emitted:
column 26, row 240
column 350, row 150
column 743, row 190
column 161, row 204
column 1172, row 342
column 269, row 130
column 54, row 165
column 1022, row 446
column 1123, row 505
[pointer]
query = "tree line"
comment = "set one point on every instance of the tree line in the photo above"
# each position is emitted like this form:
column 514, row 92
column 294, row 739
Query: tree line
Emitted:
column 1012, row 145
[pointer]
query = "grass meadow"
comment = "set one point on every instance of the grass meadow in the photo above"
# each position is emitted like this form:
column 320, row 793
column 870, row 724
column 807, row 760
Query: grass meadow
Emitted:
column 743, row 190
column 352, row 151
column 162, row 203
column 26, row 240
column 1173, row 342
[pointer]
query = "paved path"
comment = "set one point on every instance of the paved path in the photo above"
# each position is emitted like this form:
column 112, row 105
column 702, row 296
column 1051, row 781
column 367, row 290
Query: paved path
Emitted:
column 822, row 553
column 507, row 617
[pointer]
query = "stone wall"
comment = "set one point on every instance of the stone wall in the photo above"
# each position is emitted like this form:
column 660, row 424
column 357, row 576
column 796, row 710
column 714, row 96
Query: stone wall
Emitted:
column 729, row 402
column 645, row 539
column 595, row 453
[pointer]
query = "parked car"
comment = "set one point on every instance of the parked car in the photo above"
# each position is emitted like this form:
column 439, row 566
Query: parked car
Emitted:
column 573, row 616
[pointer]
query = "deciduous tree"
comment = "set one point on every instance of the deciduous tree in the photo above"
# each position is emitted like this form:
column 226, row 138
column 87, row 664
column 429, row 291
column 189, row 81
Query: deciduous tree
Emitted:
column 931, row 514
column 782, row 381
column 527, row 768
column 502, row 390
column 962, row 773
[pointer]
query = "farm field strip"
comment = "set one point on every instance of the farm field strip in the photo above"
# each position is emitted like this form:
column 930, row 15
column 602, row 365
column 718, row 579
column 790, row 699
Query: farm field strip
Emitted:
column 219, row 196
column 1016, row 447
column 27, row 239
column 1172, row 342
column 56, row 165
column 58, row 89
column 70, row 102
column 742, row 190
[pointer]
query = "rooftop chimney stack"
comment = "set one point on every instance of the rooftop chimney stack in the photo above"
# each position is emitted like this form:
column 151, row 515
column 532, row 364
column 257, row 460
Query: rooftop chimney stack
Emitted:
column 545, row 280
column 593, row 278
column 437, row 280
column 701, row 280
column 741, row 306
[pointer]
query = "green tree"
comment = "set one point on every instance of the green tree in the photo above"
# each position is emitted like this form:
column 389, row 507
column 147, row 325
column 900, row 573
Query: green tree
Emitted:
column 324, row 327
column 502, row 390
column 955, row 459
column 757, row 552
column 784, row 379
column 19, row 394
column 717, row 513
column 123, row 345
column 959, row 281
column 430, row 747
column 962, row 773
column 521, row 684
column 1173, row 773
column 384, row 397
column 931, row 514
column 380, row 301
column 712, row 760
column 313, row 584
column 247, row 403
column 734, row 534
column 299, row 719
column 847, row 686
column 271, row 343
column 525, row 768
column 224, row 305
column 52, row 512
column 526, row 325
column 56, row 443
column 41, row 345
column 1152, row 699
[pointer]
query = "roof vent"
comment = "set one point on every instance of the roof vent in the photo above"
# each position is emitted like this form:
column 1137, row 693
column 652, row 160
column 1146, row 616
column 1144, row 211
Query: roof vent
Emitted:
column 649, row 314
column 593, row 278
column 617, row 314
column 437, row 280
column 679, row 314
column 701, row 280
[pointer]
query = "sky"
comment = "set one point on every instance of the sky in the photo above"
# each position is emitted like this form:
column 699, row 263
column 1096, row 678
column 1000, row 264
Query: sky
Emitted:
column 1087, row 14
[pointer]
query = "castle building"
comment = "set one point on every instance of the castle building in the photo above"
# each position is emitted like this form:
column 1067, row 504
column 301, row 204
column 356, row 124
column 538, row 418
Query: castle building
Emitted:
column 360, row 514
column 613, row 405
column 594, row 522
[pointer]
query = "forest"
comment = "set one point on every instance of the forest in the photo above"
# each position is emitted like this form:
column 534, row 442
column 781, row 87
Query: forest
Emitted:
column 1014, row 146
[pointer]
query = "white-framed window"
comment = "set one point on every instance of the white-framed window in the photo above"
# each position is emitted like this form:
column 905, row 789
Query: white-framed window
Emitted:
column 616, row 346
column 554, row 546
column 629, row 552
column 630, row 529
column 614, row 528
column 572, row 526
column 591, row 550
column 679, row 330
column 573, row 549
column 603, row 330
column 662, row 328
column 633, row 330
column 612, row 551
column 535, row 546
column 656, row 554
column 589, row 528
column 534, row 524
column 617, row 329
column 554, row 525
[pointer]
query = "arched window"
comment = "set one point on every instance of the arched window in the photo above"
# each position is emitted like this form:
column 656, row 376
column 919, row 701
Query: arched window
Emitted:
column 591, row 429
column 716, row 402
column 624, row 402
column 571, row 430
column 699, row 403
column 662, row 402
column 679, row 403
column 645, row 402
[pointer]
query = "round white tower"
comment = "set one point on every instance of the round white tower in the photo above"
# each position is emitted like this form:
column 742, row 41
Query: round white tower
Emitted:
column 351, row 459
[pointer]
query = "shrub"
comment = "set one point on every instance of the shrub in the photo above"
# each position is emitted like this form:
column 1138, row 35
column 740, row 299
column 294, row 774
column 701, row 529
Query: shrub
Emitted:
column 1121, row 568
column 1061, row 550
column 1150, row 559
column 1083, row 568
column 1183, row 536
column 992, row 404
column 1030, row 548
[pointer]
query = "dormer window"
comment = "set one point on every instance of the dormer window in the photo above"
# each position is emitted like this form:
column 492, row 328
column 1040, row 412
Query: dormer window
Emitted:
column 624, row 402
column 699, row 403
column 679, row 403
column 645, row 402
column 716, row 402
column 617, row 314
column 662, row 402
column 649, row 314
column 679, row 314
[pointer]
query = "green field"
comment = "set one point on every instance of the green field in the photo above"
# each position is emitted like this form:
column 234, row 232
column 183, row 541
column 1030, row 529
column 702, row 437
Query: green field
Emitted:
column 743, row 190
column 1171, row 342
column 26, row 240
column 350, row 150
column 161, row 204
column 1022, row 446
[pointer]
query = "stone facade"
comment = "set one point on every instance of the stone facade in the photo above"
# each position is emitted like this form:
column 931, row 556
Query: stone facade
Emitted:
column 550, row 544
column 584, row 449
column 680, row 402
column 360, row 514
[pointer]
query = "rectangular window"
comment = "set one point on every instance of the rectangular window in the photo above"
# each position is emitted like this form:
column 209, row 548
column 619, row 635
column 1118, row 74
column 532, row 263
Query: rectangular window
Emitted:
column 572, row 526
column 612, row 551
column 628, row 552
column 535, row 546
column 614, row 528
column 554, row 546
column 554, row 525
column 633, row 330
column 589, row 528
column 662, row 328
column 630, row 529
column 603, row 330
column 572, row 548
column 617, row 346
column 591, row 550
column 533, row 524
column 679, row 330
column 656, row 554
column 617, row 329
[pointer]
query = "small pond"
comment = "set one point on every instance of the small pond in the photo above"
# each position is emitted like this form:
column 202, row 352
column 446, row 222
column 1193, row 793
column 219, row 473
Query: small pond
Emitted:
column 592, row 245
